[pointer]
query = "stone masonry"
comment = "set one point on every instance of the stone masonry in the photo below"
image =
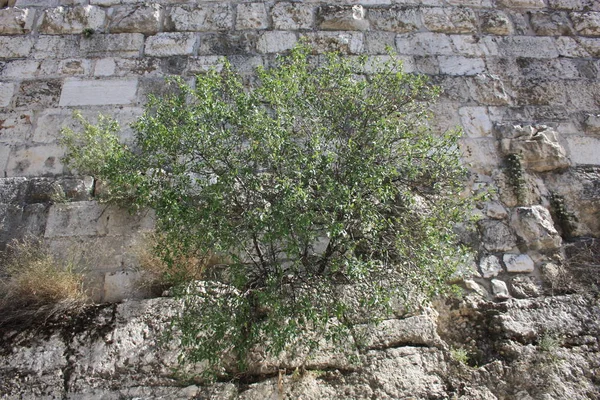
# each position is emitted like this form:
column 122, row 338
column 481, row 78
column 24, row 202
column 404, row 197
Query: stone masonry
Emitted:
column 521, row 77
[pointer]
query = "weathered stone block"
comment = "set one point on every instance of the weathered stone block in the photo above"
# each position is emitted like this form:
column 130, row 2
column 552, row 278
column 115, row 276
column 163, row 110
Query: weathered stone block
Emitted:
column 112, row 45
column 342, row 18
column 450, row 20
column 276, row 41
column 583, row 95
column 475, row 121
column 292, row 16
column 170, row 44
column 16, row 127
column 521, row 3
column 105, row 67
column 83, row 218
column 396, row 19
column 12, row 189
column 490, row 266
column 203, row 18
column 584, row 150
column 202, row 64
column 524, row 287
column 487, row 89
column 143, row 18
column 495, row 210
column 42, row 160
column 500, row 290
column 518, row 263
column 120, row 285
column 468, row 3
column 424, row 44
column 231, row 43
column 550, row 23
column 575, row 5
column 534, row 225
column 570, row 47
column 344, row 42
column 38, row 94
column 15, row 47
column 496, row 235
column 495, row 22
column 48, row 46
column 98, row 92
column 538, row 147
column 7, row 89
column 540, row 91
column 480, row 153
column 19, row 69
column 586, row 23
column 16, row 21
column 65, row 20
column 522, row 46
column 252, row 16
column 378, row 42
column 458, row 65
column 469, row 45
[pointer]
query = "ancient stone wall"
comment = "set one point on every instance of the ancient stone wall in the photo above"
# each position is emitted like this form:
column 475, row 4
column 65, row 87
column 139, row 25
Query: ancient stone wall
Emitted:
column 522, row 78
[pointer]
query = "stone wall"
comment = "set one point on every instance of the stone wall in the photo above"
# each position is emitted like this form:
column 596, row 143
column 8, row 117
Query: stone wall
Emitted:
column 520, row 76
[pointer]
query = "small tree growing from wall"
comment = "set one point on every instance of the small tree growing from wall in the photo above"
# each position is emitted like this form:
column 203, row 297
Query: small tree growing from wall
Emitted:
column 322, row 186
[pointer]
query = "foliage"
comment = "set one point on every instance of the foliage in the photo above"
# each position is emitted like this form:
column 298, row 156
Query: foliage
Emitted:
column 516, row 176
column 460, row 354
column 36, row 285
column 322, row 184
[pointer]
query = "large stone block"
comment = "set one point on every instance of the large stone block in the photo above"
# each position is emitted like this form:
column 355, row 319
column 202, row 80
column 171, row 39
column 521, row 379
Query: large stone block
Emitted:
column 496, row 236
column 535, row 227
column 170, row 44
column 143, row 18
column 98, row 92
column 342, row 18
column 38, row 94
column 16, row 21
column 575, row 5
column 276, row 42
column 235, row 43
column 495, row 22
column 586, row 23
column 584, row 150
column 344, row 42
column 518, row 263
column 203, row 18
column 48, row 46
column 475, row 121
column 538, row 147
column 20, row 69
column 549, row 23
column 12, row 190
column 292, row 16
column 490, row 266
column 480, row 153
column 424, row 44
column 533, row 4
column 450, row 20
column 65, row 20
column 458, row 65
column 522, row 46
column 7, row 89
column 15, row 47
column 488, row 89
column 16, row 127
column 42, row 160
column 252, row 16
column 112, row 45
column 397, row 19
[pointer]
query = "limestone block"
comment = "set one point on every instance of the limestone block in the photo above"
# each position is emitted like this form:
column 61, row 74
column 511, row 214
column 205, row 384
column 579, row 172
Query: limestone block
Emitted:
column 344, row 42
column 550, row 23
column 121, row 285
column 7, row 89
column 575, row 5
column 540, row 91
column 202, row 64
column 15, row 47
column 495, row 210
column 495, row 22
column 105, row 67
column 12, row 189
column 500, row 290
column 524, row 287
column 4, row 153
column 538, row 147
column 112, row 45
column 523, row 46
column 480, row 153
column 230, row 43
column 583, row 95
column 475, row 121
column 83, row 218
column 586, row 23
column 378, row 42
column 207, row 17
column 276, row 41
column 170, row 44
column 396, row 19
column 48, row 46
column 450, row 20
column 16, row 127
column 521, row 3
column 42, row 160
column 98, row 92
column 143, row 18
column 292, row 16
column 489, row 89
column 424, row 44
column 20, row 69
column 252, row 16
column 518, row 263
column 569, row 47
column 535, row 227
column 458, row 65
column 38, row 94
column 477, row 288
column 591, row 123
column 65, row 20
column 490, row 266
column 584, row 150
column 342, row 18
column 469, row 45
column 468, row 3
column 16, row 21
column 496, row 235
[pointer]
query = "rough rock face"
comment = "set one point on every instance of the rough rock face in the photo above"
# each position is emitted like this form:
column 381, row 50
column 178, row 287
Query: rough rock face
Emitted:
column 544, row 348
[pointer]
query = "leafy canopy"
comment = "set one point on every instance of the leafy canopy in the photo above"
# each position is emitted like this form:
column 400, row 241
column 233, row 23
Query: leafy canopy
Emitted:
column 322, row 186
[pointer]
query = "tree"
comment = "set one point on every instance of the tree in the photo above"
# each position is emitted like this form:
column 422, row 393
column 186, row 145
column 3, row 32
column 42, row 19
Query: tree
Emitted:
column 322, row 185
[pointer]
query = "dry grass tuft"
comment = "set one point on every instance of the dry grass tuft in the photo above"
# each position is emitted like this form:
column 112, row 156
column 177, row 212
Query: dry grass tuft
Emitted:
column 35, row 285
